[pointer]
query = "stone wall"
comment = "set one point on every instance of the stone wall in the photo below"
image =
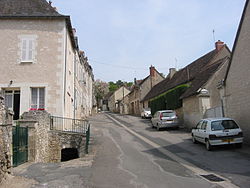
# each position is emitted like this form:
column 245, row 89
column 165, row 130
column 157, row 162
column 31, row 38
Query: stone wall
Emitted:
column 5, row 140
column 45, row 145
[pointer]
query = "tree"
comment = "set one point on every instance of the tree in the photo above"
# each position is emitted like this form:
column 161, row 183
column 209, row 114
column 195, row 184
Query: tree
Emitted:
column 100, row 90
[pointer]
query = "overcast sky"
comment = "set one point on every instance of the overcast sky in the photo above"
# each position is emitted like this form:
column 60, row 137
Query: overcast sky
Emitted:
column 122, row 38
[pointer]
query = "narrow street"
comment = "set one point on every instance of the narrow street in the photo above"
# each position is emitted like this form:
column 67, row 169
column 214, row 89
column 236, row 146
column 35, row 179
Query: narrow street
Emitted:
column 132, row 154
column 125, row 152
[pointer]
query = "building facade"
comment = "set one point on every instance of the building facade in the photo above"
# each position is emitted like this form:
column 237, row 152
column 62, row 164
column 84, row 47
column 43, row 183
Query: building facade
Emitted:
column 235, row 93
column 39, row 60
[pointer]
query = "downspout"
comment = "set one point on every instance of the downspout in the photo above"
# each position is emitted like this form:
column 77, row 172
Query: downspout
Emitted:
column 65, row 69
column 74, row 87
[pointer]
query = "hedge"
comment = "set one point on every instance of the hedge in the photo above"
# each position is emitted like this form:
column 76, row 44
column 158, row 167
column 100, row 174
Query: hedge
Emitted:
column 169, row 100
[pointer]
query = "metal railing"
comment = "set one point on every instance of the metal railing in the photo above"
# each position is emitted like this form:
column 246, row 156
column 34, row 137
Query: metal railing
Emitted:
column 69, row 125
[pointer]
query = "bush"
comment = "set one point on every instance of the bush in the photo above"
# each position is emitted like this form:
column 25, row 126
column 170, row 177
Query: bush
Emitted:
column 169, row 100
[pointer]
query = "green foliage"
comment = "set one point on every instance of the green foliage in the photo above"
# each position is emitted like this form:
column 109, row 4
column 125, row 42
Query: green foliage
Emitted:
column 169, row 100
column 114, row 86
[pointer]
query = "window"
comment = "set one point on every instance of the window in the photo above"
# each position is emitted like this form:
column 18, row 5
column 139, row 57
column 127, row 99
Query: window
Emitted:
column 204, row 125
column 198, row 126
column 37, row 99
column 223, row 124
column 27, row 48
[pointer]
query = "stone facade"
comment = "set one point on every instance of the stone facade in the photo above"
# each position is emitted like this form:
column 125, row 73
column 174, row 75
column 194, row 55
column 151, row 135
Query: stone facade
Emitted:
column 115, row 99
column 141, row 90
column 237, row 85
column 45, row 145
column 5, row 141
column 57, row 66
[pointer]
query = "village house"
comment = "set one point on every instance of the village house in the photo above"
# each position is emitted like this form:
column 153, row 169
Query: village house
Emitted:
column 196, row 84
column 140, row 89
column 41, row 65
column 235, row 91
column 114, row 101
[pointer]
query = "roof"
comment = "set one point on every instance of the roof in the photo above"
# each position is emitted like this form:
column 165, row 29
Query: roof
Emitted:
column 109, row 94
column 217, row 119
column 26, row 8
column 183, row 76
column 202, row 77
column 237, row 37
column 39, row 9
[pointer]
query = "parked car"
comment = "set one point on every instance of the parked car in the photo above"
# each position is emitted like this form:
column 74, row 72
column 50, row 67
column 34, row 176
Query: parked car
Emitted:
column 217, row 131
column 165, row 119
column 146, row 113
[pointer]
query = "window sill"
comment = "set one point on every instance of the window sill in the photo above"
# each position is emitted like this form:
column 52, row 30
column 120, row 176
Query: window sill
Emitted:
column 26, row 62
column 34, row 109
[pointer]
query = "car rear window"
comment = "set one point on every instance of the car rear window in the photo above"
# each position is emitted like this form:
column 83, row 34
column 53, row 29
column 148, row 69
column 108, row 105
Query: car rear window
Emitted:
column 168, row 114
column 223, row 124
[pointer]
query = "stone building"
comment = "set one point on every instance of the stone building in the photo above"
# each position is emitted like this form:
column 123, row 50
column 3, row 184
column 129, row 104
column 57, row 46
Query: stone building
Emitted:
column 41, row 65
column 201, row 75
column 115, row 99
column 235, row 93
column 140, row 90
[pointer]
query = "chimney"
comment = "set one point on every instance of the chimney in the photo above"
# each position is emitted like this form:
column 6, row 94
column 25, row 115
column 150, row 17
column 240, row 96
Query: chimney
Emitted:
column 135, row 81
column 74, row 31
column 152, row 71
column 172, row 71
column 219, row 45
column 50, row 2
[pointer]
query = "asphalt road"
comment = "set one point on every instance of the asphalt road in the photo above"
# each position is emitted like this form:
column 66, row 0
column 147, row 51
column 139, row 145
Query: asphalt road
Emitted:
column 125, row 152
column 132, row 154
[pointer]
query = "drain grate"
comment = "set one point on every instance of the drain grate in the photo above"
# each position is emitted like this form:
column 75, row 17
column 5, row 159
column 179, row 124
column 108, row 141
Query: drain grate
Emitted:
column 212, row 177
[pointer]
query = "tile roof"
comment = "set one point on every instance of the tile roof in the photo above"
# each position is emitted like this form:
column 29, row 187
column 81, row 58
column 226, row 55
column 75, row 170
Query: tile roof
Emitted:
column 27, row 8
column 183, row 76
column 202, row 77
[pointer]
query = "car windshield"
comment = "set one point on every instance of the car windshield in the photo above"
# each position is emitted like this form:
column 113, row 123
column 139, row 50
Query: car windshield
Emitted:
column 223, row 124
column 168, row 114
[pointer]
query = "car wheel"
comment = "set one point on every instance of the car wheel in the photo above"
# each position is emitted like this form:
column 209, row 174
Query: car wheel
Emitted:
column 239, row 145
column 208, row 145
column 193, row 139
column 152, row 125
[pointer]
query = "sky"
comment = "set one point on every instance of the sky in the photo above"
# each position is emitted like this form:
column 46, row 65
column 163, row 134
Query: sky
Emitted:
column 123, row 38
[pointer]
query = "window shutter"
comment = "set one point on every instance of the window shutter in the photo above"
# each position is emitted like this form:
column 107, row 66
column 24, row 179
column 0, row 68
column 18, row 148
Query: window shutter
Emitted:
column 30, row 50
column 34, row 94
column 41, row 98
column 24, row 47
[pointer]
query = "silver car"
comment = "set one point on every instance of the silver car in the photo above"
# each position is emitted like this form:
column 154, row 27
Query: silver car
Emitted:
column 146, row 113
column 165, row 119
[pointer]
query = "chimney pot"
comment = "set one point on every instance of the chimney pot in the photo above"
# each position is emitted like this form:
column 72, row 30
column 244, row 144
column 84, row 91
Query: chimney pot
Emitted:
column 219, row 45
column 172, row 71
column 152, row 71
column 50, row 2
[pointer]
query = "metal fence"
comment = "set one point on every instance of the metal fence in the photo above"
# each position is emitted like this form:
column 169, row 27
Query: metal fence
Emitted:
column 69, row 125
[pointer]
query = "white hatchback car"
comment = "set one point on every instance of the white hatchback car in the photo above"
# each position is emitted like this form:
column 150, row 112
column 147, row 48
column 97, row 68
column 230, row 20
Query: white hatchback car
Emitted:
column 217, row 131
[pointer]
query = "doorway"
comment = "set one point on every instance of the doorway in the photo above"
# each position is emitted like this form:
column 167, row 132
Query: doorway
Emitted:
column 12, row 102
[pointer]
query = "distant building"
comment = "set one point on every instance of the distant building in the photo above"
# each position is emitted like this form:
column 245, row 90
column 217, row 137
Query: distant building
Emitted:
column 140, row 90
column 114, row 101
column 41, row 65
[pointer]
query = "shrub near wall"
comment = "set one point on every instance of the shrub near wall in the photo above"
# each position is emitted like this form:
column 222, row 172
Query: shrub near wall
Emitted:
column 169, row 100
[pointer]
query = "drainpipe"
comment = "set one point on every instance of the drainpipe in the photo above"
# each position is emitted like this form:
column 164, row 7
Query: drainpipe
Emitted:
column 65, row 68
column 74, row 87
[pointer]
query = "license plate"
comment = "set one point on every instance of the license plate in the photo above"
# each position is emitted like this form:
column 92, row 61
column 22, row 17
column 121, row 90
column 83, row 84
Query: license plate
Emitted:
column 228, row 140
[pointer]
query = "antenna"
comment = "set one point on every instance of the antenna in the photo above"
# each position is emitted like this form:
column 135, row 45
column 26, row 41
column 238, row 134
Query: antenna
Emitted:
column 176, row 62
column 214, row 35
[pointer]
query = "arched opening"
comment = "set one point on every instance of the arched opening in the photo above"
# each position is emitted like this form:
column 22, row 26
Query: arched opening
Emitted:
column 69, row 154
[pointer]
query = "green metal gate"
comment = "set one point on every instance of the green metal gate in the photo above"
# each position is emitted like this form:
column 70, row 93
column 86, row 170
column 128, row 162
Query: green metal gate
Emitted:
column 20, row 145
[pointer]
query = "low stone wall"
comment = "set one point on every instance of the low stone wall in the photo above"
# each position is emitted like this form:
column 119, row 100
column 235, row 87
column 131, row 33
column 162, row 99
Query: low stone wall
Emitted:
column 45, row 145
column 5, row 141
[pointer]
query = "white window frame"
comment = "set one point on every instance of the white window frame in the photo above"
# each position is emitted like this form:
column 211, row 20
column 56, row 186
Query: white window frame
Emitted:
column 37, row 98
